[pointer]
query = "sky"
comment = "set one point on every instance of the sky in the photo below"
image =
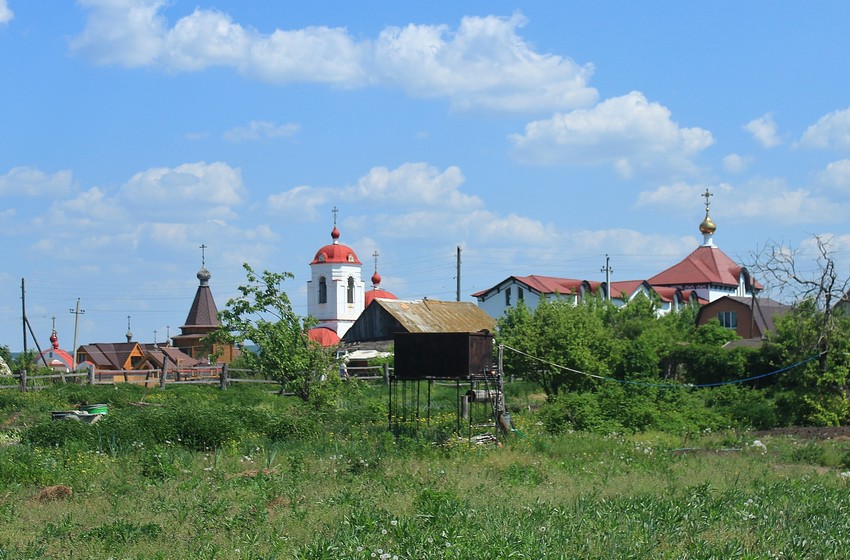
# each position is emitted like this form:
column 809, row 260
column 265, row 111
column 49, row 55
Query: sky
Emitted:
column 538, row 137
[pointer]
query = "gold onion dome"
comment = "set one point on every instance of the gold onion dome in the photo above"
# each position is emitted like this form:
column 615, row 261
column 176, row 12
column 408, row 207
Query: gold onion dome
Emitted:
column 707, row 225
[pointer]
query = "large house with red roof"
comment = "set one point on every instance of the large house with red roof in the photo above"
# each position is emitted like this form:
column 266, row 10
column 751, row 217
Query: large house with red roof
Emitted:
column 702, row 277
column 530, row 290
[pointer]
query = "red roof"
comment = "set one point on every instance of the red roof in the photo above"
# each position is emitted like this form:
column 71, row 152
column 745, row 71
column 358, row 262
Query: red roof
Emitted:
column 377, row 293
column 335, row 252
column 63, row 356
column 324, row 336
column 668, row 293
column 628, row 287
column 550, row 285
column 706, row 265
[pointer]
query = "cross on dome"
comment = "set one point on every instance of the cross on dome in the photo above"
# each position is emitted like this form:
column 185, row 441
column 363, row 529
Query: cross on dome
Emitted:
column 707, row 227
column 376, row 278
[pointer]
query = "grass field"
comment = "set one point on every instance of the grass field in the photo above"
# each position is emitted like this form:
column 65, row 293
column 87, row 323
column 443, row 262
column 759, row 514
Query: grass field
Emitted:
column 199, row 473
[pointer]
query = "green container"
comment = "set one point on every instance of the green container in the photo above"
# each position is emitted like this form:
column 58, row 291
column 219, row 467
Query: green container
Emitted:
column 94, row 408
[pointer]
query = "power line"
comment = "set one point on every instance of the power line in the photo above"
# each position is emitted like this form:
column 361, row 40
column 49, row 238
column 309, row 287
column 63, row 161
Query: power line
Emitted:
column 664, row 385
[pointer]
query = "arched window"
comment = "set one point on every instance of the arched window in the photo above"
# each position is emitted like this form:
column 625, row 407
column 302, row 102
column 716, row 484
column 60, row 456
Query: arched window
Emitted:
column 350, row 289
column 323, row 290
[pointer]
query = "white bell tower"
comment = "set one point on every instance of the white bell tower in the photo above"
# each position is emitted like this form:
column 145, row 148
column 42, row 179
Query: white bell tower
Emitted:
column 335, row 291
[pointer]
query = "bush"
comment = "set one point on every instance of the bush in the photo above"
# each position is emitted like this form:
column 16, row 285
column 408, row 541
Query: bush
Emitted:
column 576, row 411
column 746, row 407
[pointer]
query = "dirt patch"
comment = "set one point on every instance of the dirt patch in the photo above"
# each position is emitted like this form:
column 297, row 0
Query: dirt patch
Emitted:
column 54, row 493
column 809, row 432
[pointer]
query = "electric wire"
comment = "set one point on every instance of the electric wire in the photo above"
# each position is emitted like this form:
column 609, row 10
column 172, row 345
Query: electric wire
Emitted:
column 664, row 385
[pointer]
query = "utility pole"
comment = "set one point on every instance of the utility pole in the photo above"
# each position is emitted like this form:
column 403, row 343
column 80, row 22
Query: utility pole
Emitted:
column 607, row 270
column 24, row 312
column 77, row 312
column 27, row 323
column 458, row 273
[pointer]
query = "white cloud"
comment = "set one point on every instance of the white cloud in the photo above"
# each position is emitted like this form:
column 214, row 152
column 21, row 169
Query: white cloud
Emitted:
column 312, row 54
column 301, row 201
column 125, row 32
column 768, row 200
column 413, row 184
column 836, row 175
column 260, row 130
column 631, row 242
column 773, row 201
column 483, row 63
column 514, row 228
column 764, row 130
column 29, row 181
column 93, row 205
column 679, row 195
column 191, row 189
column 485, row 227
column 6, row 15
column 414, row 200
column 736, row 163
column 627, row 132
column 832, row 131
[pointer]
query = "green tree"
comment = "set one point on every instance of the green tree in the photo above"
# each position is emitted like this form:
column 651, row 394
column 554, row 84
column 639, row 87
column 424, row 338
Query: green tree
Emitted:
column 263, row 315
column 811, row 276
column 560, row 346
column 815, row 392
column 23, row 360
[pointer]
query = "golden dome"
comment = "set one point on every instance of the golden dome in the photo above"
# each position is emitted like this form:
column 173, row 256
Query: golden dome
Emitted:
column 707, row 226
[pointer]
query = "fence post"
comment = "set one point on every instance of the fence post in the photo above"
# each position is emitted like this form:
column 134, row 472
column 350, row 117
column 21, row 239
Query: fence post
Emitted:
column 387, row 373
column 91, row 375
column 164, row 374
column 223, row 377
column 23, row 380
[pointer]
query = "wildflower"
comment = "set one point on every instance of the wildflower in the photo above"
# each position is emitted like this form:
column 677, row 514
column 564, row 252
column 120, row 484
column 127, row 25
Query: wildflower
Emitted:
column 394, row 522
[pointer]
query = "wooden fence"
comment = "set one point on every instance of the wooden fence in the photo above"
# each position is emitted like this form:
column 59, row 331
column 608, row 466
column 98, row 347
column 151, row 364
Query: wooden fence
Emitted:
column 169, row 375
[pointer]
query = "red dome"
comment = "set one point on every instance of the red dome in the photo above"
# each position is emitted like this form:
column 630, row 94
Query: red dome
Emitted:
column 377, row 293
column 376, row 279
column 335, row 252
column 324, row 336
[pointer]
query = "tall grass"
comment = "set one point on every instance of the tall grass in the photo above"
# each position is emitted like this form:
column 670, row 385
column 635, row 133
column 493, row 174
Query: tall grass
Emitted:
column 199, row 473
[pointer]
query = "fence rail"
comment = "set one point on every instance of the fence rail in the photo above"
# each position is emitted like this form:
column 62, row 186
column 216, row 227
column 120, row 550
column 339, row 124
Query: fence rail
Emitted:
column 168, row 375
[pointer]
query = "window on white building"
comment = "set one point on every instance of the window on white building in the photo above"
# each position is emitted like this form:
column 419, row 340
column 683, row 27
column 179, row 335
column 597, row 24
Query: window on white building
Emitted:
column 728, row 319
column 323, row 290
column 350, row 289
column 508, row 296
column 520, row 294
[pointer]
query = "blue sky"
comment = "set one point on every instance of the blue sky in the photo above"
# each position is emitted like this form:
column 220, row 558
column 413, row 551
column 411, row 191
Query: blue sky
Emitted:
column 538, row 137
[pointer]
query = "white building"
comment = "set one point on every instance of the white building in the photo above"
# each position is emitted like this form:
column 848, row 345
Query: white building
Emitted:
column 703, row 276
column 335, row 292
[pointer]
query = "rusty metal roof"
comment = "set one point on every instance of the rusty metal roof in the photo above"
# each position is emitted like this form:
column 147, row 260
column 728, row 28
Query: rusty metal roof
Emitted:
column 428, row 315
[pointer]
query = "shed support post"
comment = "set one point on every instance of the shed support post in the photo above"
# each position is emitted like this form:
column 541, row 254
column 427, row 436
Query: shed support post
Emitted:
column 164, row 375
